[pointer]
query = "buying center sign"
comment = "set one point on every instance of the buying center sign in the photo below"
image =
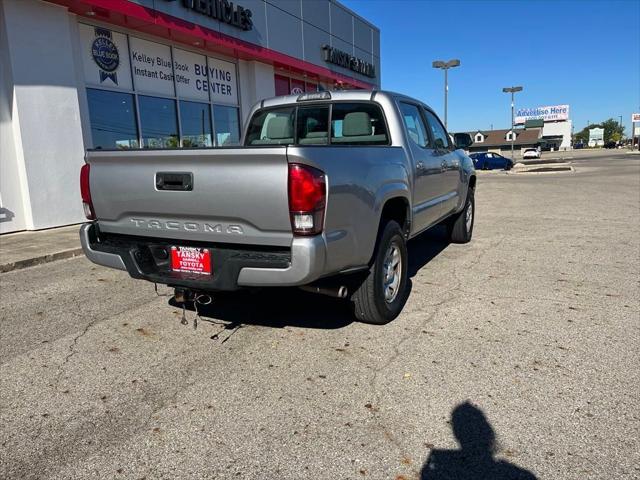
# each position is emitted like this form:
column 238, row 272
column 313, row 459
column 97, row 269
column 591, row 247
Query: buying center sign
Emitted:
column 551, row 113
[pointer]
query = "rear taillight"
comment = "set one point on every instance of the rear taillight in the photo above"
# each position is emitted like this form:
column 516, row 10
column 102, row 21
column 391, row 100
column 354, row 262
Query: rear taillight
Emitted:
column 307, row 199
column 85, row 192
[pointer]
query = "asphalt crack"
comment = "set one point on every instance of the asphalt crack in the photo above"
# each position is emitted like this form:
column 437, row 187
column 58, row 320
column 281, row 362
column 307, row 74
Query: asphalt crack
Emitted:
column 376, row 413
column 89, row 326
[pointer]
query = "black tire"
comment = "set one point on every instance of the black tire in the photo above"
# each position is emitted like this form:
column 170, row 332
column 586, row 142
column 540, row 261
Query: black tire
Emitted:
column 368, row 300
column 458, row 229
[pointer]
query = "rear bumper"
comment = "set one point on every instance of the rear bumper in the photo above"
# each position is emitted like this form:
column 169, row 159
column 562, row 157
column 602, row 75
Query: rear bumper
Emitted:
column 89, row 240
column 307, row 264
column 233, row 266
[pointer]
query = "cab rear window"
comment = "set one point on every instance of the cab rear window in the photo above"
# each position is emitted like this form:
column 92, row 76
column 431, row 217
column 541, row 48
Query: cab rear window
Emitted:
column 344, row 123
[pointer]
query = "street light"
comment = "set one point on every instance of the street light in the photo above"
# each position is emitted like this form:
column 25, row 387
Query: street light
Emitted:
column 512, row 91
column 446, row 66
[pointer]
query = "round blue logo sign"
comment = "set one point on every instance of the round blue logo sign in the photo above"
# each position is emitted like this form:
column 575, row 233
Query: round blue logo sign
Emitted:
column 105, row 54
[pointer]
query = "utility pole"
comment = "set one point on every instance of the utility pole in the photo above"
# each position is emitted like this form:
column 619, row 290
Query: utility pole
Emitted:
column 446, row 66
column 512, row 91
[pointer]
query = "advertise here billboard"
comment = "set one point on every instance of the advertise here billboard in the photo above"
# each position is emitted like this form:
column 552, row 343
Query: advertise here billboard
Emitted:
column 552, row 113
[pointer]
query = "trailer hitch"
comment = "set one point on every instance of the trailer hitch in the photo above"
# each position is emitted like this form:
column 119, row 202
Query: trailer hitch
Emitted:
column 183, row 295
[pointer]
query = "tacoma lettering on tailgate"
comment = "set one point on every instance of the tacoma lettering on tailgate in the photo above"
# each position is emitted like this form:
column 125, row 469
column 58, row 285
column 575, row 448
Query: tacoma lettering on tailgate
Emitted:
column 187, row 226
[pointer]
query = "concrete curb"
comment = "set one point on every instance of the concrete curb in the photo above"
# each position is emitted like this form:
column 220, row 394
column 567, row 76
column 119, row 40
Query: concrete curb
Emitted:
column 30, row 262
column 532, row 170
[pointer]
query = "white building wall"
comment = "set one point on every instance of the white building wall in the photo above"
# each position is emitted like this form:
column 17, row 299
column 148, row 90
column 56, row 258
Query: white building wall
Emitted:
column 46, row 117
column 256, row 81
column 559, row 128
column 13, row 192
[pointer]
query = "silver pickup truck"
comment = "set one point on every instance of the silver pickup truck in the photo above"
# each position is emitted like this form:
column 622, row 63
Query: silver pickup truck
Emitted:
column 324, row 194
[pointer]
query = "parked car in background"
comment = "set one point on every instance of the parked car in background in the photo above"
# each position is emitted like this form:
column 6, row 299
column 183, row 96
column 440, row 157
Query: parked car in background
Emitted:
column 579, row 145
column 491, row 161
column 531, row 153
column 610, row 144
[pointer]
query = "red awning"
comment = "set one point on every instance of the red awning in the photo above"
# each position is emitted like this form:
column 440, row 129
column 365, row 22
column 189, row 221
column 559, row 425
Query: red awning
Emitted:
column 130, row 15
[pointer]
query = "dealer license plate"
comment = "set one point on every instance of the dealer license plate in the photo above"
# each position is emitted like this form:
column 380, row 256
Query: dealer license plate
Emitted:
column 191, row 260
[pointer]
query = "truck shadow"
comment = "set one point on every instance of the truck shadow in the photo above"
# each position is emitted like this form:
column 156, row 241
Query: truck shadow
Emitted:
column 276, row 308
column 282, row 307
column 425, row 247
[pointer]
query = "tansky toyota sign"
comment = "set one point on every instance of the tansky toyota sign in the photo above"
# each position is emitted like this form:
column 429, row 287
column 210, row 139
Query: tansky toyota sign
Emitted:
column 552, row 113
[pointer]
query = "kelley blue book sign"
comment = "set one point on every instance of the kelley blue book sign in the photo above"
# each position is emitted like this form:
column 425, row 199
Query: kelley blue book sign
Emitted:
column 105, row 57
column 156, row 69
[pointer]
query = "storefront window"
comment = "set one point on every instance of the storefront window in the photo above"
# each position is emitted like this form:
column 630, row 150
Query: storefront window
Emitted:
column 113, row 119
column 144, row 94
column 282, row 85
column 227, row 125
column 287, row 86
column 195, row 119
column 297, row 86
column 158, row 122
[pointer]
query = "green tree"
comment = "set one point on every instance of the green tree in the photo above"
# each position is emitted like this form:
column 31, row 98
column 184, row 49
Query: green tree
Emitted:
column 613, row 131
column 582, row 135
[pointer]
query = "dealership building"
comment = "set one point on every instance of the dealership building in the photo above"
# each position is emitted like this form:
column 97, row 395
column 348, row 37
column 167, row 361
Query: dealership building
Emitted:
column 79, row 74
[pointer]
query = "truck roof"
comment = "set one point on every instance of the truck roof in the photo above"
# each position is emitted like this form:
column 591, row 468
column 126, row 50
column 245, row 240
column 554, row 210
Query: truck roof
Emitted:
column 336, row 95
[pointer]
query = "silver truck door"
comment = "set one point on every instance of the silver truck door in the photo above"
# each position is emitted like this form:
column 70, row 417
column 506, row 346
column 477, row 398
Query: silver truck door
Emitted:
column 444, row 152
column 427, row 170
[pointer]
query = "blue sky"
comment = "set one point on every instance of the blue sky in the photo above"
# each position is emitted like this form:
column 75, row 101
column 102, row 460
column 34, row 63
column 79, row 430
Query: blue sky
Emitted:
column 582, row 53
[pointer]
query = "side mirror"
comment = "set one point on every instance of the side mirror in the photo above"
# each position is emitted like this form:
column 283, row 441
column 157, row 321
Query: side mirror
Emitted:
column 462, row 140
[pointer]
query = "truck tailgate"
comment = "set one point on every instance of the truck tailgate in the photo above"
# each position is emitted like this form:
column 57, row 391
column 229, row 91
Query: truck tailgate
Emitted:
column 230, row 195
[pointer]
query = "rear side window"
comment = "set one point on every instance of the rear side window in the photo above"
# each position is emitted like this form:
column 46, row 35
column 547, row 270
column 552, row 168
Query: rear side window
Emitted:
column 358, row 124
column 271, row 127
column 439, row 134
column 415, row 126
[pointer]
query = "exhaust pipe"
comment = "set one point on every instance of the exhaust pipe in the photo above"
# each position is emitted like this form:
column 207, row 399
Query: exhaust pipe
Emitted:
column 339, row 291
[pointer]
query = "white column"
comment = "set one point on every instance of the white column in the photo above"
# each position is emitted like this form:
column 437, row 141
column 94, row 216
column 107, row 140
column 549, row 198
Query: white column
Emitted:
column 48, row 148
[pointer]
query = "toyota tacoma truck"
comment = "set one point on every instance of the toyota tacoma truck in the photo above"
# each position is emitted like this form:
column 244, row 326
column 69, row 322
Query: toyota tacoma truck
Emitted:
column 323, row 194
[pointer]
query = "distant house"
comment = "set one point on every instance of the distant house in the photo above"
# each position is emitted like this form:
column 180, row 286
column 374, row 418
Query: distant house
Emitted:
column 500, row 140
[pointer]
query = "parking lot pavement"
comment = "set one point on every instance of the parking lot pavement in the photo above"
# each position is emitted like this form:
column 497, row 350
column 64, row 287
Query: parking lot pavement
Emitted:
column 528, row 336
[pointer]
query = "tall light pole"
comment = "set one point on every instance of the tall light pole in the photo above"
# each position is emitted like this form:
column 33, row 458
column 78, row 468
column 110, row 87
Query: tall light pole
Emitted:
column 622, row 128
column 512, row 91
column 446, row 66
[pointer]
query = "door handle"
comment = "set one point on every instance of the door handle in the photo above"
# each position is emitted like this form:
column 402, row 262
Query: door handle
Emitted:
column 181, row 181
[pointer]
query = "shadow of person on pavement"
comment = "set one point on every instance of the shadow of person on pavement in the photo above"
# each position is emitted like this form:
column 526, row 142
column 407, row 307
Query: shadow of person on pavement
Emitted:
column 475, row 458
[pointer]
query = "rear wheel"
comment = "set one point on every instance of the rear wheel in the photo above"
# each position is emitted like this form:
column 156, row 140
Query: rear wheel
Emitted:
column 381, row 296
column 460, row 226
